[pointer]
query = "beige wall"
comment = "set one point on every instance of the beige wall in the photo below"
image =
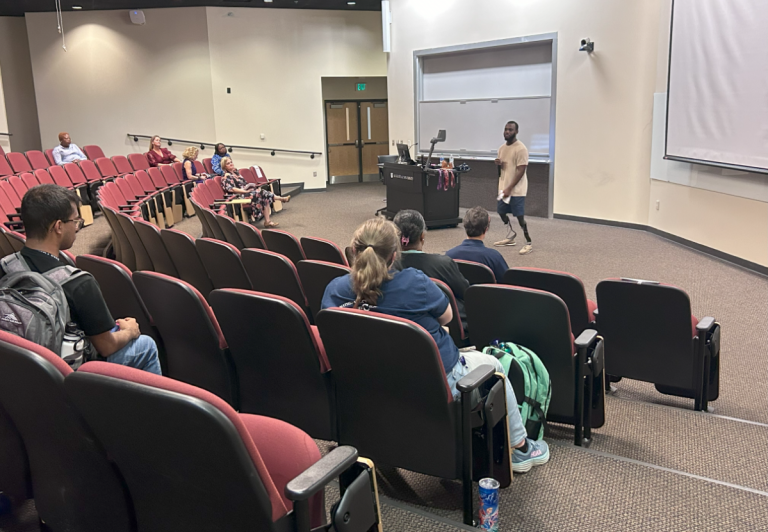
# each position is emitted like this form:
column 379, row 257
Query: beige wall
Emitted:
column 273, row 60
column 4, row 141
column 118, row 78
column 345, row 88
column 604, row 100
column 17, row 86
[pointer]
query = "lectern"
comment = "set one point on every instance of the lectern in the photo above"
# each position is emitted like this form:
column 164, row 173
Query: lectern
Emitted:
column 410, row 186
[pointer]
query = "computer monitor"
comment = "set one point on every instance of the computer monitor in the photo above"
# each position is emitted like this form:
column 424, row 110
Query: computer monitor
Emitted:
column 405, row 154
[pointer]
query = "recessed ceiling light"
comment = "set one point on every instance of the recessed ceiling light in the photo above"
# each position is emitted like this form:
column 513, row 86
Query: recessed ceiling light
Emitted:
column 268, row 1
column 77, row 7
column 351, row 3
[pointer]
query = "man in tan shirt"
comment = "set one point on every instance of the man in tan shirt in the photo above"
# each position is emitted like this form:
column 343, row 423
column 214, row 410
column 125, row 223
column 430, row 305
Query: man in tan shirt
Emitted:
column 512, row 161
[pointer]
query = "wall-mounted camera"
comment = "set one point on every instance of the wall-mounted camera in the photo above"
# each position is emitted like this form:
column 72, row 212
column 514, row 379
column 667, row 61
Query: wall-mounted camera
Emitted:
column 587, row 46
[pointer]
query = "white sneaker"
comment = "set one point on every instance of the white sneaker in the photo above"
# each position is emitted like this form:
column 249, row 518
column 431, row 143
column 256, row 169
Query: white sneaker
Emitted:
column 505, row 242
column 526, row 249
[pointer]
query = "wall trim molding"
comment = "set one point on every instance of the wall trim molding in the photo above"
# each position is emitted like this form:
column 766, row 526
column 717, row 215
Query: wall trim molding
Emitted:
column 716, row 253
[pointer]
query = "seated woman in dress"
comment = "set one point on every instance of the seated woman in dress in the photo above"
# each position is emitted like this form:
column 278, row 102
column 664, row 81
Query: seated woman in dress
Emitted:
column 157, row 155
column 376, row 286
column 261, row 199
column 188, row 166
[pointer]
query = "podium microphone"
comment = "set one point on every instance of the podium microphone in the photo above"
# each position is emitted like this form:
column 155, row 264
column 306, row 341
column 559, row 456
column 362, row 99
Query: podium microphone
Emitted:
column 439, row 138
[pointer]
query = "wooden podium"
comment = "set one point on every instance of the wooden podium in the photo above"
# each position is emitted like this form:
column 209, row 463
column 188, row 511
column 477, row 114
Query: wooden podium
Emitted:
column 412, row 187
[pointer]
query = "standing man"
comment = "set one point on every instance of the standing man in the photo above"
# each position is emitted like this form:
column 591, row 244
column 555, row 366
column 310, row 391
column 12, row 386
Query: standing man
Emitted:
column 512, row 161
column 67, row 152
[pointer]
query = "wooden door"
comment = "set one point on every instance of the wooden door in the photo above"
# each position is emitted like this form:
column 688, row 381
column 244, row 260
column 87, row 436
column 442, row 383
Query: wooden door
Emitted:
column 343, row 138
column 374, row 129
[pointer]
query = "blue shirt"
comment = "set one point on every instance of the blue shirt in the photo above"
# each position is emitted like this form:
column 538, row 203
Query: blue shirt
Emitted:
column 71, row 153
column 474, row 250
column 410, row 295
column 216, row 163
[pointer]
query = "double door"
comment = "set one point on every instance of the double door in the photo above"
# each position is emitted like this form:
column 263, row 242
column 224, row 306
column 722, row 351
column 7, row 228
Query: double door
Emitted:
column 356, row 133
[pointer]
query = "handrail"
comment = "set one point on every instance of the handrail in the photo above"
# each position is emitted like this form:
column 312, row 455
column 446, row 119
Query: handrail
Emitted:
column 170, row 142
column 7, row 134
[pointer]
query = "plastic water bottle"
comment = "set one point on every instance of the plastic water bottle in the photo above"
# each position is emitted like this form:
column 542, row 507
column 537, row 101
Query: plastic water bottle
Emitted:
column 489, row 504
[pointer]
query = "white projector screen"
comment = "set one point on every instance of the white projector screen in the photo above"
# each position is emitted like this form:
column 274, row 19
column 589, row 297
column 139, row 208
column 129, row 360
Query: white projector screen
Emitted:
column 717, row 93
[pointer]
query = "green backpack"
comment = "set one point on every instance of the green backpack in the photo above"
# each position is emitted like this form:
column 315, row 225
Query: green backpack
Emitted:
column 523, row 367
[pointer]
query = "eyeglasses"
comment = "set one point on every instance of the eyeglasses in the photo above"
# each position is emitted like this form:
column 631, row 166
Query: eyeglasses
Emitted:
column 78, row 222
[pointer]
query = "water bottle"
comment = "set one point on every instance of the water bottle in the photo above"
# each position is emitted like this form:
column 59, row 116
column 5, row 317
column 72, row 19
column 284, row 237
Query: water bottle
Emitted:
column 489, row 504
column 73, row 346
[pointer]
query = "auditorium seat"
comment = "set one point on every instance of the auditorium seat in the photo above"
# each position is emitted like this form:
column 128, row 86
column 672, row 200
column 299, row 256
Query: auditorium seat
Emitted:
column 207, row 232
column 138, row 161
column 67, row 257
column 150, row 198
column 175, row 204
column 29, row 180
column 131, row 199
column 143, row 260
column 248, row 175
column 566, row 286
column 162, row 194
column 455, row 327
column 15, row 482
column 213, row 225
column 222, row 262
column 181, row 189
column 315, row 276
column 106, row 168
column 181, row 248
column 161, row 434
column 196, row 351
column 89, row 171
column 37, row 160
column 113, row 196
column 475, row 273
column 18, row 162
column 273, row 273
column 153, row 243
column 321, row 249
column 250, row 235
column 651, row 335
column 43, row 177
column 395, row 405
column 18, row 185
column 227, row 226
column 120, row 243
column 74, row 485
column 49, row 156
column 284, row 243
column 16, row 240
column 208, row 166
column 93, row 152
column 5, row 249
column 539, row 321
column 121, row 164
column 178, row 169
column 261, row 179
column 287, row 346
column 5, row 168
column 199, row 167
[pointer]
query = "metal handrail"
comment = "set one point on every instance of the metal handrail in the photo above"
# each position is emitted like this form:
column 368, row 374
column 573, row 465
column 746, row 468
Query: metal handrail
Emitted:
column 202, row 145
column 7, row 134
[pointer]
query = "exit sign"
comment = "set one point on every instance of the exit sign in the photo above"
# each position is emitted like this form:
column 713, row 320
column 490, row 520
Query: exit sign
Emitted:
column 361, row 86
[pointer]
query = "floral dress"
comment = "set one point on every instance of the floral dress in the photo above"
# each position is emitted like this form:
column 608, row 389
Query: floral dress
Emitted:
column 260, row 198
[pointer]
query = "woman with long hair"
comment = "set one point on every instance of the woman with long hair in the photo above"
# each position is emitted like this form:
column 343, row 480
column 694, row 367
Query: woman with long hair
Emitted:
column 188, row 166
column 158, row 155
column 375, row 285
column 261, row 199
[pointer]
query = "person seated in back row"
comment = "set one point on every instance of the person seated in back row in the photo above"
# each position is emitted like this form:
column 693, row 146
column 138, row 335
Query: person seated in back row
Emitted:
column 220, row 152
column 477, row 221
column 374, row 285
column 413, row 232
column 158, row 155
column 261, row 199
column 51, row 220
column 188, row 166
column 67, row 151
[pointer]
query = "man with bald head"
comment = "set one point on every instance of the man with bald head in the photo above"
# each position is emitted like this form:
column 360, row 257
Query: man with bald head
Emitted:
column 67, row 152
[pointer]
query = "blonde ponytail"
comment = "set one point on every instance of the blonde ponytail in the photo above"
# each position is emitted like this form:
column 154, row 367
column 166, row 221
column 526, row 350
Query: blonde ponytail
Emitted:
column 374, row 245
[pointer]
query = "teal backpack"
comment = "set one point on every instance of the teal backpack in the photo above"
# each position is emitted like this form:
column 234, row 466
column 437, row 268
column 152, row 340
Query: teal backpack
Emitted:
column 523, row 367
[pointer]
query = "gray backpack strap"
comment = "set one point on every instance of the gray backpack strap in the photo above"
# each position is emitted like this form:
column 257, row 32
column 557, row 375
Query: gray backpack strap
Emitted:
column 64, row 274
column 14, row 263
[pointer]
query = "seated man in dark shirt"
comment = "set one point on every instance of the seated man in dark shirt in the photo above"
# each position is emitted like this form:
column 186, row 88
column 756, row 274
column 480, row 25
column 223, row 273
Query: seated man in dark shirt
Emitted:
column 477, row 221
column 413, row 230
column 51, row 221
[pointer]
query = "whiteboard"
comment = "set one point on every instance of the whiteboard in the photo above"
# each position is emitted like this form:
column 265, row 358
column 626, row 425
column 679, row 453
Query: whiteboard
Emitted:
column 476, row 127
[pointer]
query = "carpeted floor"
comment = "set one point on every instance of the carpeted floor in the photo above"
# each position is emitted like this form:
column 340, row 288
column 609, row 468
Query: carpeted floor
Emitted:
column 656, row 464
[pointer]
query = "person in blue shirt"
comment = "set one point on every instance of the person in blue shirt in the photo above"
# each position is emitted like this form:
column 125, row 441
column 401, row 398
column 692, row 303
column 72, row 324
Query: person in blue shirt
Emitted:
column 67, row 151
column 375, row 285
column 477, row 221
column 221, row 152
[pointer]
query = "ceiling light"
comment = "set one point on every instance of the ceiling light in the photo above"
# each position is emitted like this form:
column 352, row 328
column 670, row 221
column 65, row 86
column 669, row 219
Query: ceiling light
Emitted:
column 351, row 3
column 268, row 1
column 77, row 7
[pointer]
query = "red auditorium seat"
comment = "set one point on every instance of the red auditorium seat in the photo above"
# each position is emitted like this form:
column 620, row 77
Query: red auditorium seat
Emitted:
column 43, row 177
column 163, row 196
column 37, row 160
column 156, row 175
column 153, row 243
column 208, row 166
column 250, row 236
column 181, row 248
column 29, row 180
column 18, row 162
column 475, row 273
column 121, row 164
column 5, row 168
column 93, row 152
column 227, row 226
column 322, row 249
column 49, row 157
column 143, row 260
column 282, row 278
column 285, row 243
column 106, row 168
column 455, row 327
column 315, row 276
column 138, row 161
column 10, row 208
column 223, row 264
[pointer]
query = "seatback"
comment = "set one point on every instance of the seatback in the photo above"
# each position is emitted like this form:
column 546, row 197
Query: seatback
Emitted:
column 402, row 418
column 106, row 167
column 16, row 240
column 153, row 243
column 14, row 467
column 214, row 225
column 199, row 167
column 315, row 276
column 157, row 177
column 127, row 256
column 90, row 171
column 146, row 182
column 322, row 249
column 37, row 160
column 208, row 166
column 259, row 174
column 214, row 189
column 534, row 319
column 143, row 260
column 248, row 175
column 43, row 177
column 5, row 246
column 29, row 180
column 273, row 273
column 169, row 175
column 181, row 248
column 18, row 185
column 284, row 243
column 49, row 156
column 647, row 332
column 93, row 152
column 475, row 273
column 75, row 173
column 286, row 346
column 5, row 168
column 222, row 262
column 199, row 212
column 138, row 161
column 121, row 164
column 125, row 189
column 18, row 162
column 567, row 287
column 227, row 226
column 135, row 185
column 178, row 169
column 11, row 193
column 60, row 177
column 196, row 351
column 75, row 487
column 250, row 236
column 455, row 328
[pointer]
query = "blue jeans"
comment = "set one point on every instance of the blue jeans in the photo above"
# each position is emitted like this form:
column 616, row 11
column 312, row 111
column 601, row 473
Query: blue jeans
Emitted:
column 469, row 360
column 140, row 353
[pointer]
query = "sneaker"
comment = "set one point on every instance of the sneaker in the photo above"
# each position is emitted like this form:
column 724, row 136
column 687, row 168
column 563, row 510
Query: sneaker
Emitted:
column 505, row 242
column 538, row 454
column 526, row 249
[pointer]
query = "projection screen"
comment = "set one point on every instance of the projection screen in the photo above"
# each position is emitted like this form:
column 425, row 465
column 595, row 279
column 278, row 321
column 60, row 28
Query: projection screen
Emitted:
column 717, row 88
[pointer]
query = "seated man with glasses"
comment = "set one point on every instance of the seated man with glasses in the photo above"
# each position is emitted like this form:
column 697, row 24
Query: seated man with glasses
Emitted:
column 51, row 221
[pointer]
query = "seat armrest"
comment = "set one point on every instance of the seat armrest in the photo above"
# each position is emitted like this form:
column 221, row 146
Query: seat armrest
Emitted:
column 705, row 324
column 586, row 338
column 321, row 473
column 475, row 378
column 594, row 313
column 133, row 201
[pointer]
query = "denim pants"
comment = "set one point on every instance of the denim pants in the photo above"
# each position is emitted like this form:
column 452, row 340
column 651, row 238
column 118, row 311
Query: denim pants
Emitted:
column 469, row 360
column 140, row 353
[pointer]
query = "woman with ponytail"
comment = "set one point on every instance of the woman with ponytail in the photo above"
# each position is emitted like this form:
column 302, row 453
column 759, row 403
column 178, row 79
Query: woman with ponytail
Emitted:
column 375, row 285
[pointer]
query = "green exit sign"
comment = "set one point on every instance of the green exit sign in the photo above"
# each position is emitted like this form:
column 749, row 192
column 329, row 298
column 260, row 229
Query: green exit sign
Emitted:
column 361, row 86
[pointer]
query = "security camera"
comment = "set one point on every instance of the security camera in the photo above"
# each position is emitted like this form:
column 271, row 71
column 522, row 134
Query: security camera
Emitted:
column 587, row 46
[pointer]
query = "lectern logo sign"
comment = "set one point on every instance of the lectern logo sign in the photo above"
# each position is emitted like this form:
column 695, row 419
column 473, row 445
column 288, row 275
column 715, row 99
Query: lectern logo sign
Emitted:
column 393, row 175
